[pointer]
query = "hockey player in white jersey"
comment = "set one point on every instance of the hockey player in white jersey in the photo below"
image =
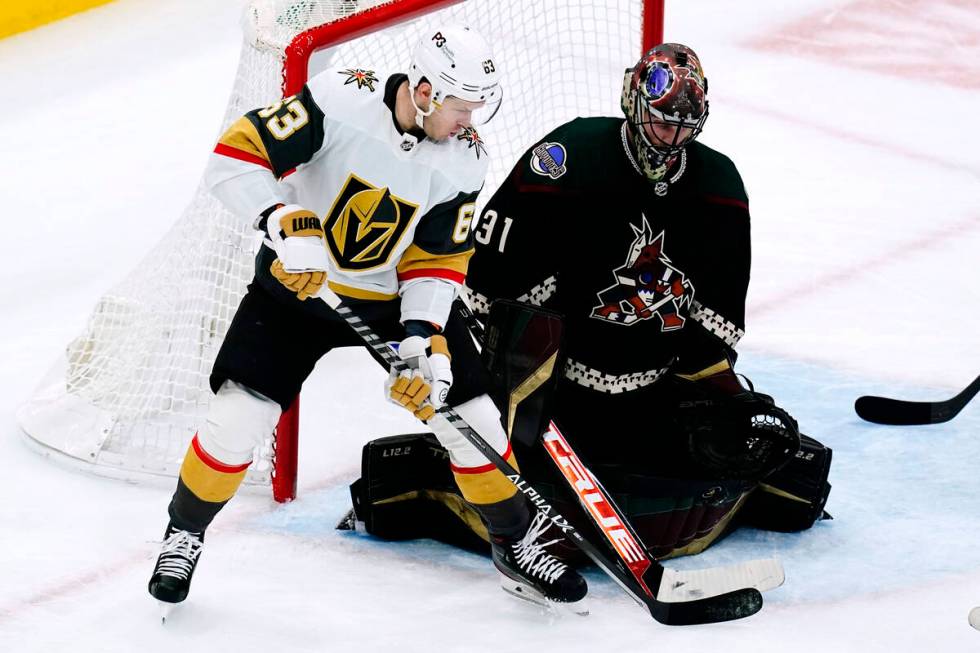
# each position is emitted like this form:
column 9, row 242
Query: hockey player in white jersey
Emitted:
column 365, row 181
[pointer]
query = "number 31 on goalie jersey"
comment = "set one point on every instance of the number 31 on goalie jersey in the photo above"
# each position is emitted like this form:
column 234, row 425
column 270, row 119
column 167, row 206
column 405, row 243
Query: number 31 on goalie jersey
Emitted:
column 284, row 126
column 484, row 232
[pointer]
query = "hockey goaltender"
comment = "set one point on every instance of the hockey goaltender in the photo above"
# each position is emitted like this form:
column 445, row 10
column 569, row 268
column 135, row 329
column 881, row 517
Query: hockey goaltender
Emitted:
column 637, row 236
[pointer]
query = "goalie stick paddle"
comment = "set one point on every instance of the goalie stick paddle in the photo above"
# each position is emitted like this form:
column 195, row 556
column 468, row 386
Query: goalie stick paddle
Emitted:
column 653, row 578
column 882, row 410
column 725, row 607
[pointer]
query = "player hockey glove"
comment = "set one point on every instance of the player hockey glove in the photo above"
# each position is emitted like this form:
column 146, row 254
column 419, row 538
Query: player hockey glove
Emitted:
column 423, row 387
column 297, row 237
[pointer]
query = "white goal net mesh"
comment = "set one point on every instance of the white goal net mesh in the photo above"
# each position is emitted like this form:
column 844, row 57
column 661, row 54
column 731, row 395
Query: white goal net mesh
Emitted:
column 131, row 389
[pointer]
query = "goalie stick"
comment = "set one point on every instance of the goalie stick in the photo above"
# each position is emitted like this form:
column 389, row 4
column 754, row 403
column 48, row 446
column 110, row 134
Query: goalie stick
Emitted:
column 882, row 410
column 724, row 607
column 598, row 505
column 671, row 586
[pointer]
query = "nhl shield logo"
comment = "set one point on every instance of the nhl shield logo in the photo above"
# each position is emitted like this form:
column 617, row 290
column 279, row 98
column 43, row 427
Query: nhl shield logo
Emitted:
column 365, row 224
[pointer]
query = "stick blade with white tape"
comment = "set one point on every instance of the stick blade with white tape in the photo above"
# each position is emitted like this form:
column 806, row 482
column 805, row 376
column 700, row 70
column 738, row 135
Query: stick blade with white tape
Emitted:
column 680, row 585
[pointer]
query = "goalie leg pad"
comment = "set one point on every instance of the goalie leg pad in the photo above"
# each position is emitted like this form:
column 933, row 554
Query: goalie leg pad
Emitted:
column 239, row 420
column 407, row 491
column 793, row 498
column 672, row 516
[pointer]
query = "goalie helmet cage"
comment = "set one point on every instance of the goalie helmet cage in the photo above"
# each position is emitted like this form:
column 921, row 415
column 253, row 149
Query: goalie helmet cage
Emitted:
column 129, row 392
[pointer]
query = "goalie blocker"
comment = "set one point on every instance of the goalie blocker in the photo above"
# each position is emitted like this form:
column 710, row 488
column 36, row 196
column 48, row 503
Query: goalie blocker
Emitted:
column 673, row 494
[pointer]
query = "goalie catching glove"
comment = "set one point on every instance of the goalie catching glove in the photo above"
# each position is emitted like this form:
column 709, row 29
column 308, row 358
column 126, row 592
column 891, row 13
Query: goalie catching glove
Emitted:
column 297, row 237
column 744, row 436
column 423, row 387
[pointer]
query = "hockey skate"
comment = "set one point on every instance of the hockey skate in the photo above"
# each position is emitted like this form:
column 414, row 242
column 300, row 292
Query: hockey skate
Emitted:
column 171, row 579
column 529, row 572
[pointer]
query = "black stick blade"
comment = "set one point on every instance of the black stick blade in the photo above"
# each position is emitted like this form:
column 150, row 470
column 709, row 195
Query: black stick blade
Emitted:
column 882, row 410
column 724, row 607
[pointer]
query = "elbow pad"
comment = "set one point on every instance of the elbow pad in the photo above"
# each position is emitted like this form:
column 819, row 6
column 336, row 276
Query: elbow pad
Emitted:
column 427, row 300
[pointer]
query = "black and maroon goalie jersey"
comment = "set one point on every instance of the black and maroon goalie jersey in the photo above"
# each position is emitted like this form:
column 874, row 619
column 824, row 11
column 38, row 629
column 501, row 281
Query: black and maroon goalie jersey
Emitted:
column 649, row 277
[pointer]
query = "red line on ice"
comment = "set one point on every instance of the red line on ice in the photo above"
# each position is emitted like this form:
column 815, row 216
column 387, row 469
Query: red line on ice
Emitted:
column 851, row 136
column 845, row 275
column 80, row 583
column 917, row 40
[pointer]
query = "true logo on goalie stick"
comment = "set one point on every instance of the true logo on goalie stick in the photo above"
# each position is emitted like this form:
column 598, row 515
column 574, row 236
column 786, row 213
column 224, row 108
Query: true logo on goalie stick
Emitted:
column 363, row 78
column 593, row 498
column 647, row 286
column 548, row 160
column 365, row 224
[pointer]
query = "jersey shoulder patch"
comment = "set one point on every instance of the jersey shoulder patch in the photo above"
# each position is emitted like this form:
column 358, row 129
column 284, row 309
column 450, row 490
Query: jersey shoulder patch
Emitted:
column 465, row 159
column 548, row 159
column 474, row 142
column 349, row 94
column 361, row 77
column 572, row 156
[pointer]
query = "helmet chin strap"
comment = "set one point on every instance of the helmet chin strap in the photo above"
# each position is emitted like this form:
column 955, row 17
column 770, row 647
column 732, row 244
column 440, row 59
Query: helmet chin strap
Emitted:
column 419, row 113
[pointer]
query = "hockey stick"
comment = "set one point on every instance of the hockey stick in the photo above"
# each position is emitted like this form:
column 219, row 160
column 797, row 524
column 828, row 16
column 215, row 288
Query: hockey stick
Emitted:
column 611, row 521
column 882, row 410
column 725, row 607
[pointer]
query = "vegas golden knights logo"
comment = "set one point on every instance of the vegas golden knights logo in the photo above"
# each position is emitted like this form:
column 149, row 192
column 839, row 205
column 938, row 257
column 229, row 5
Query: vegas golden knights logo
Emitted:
column 365, row 224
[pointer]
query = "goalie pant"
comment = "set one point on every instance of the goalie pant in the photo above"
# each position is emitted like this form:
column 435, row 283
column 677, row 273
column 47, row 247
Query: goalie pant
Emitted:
column 405, row 493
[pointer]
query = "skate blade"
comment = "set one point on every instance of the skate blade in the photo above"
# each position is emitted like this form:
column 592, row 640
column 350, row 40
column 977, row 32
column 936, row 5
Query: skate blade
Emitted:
column 348, row 523
column 527, row 593
column 165, row 610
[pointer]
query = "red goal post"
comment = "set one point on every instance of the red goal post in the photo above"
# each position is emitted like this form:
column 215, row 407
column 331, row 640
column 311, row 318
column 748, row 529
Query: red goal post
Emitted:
column 131, row 389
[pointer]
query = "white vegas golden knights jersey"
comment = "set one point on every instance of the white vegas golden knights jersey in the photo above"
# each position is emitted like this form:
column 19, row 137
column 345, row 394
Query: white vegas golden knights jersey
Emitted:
column 396, row 212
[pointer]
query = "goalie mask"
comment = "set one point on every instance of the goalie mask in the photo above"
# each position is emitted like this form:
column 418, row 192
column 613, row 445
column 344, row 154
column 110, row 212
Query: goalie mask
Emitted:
column 457, row 62
column 665, row 103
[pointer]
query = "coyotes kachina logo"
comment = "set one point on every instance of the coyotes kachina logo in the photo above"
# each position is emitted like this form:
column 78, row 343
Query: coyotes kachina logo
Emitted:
column 647, row 285
column 469, row 135
column 361, row 77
